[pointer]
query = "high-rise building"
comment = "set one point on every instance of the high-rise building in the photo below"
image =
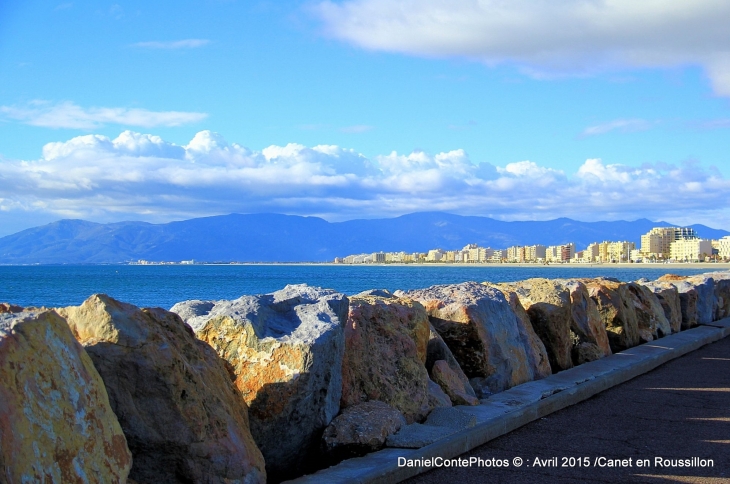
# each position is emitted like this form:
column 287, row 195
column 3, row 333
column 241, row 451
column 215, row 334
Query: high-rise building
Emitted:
column 658, row 241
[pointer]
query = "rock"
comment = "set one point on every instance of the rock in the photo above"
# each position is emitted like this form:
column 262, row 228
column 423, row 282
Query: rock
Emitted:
column 650, row 318
column 285, row 350
column 547, row 304
column 537, row 356
column 668, row 297
column 705, row 286
column 360, row 429
column 385, row 351
column 183, row 418
column 438, row 350
column 616, row 306
column 451, row 384
column 481, row 387
column 480, row 329
column 56, row 424
column 586, row 323
column 688, row 296
column 436, row 396
column 722, row 294
column 9, row 308
column 571, row 300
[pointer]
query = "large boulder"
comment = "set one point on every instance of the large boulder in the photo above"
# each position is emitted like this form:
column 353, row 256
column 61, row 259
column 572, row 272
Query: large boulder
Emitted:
column 650, row 318
column 668, row 298
column 555, row 306
column 481, row 330
column 688, row 298
column 706, row 304
column 285, row 350
column 386, row 340
column 183, row 418
column 616, row 306
column 361, row 429
column 547, row 304
column 537, row 355
column 56, row 424
column 722, row 294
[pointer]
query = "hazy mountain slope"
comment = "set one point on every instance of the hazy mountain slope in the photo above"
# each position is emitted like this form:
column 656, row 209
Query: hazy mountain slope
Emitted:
column 286, row 238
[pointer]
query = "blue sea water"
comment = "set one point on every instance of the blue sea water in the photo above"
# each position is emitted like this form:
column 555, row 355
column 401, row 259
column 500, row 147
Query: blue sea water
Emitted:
column 163, row 286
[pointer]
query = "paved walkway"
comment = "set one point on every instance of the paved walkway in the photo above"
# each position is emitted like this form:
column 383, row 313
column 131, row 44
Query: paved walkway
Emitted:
column 681, row 410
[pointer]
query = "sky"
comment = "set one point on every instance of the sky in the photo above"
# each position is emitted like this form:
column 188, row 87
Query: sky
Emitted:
column 520, row 110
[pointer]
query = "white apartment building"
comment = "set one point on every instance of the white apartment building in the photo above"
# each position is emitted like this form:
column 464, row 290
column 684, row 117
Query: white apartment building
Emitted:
column 534, row 253
column 690, row 249
column 620, row 251
column 435, row 255
column 658, row 241
column 723, row 247
column 560, row 253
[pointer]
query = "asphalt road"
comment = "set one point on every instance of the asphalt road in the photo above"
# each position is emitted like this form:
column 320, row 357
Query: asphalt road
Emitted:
column 678, row 411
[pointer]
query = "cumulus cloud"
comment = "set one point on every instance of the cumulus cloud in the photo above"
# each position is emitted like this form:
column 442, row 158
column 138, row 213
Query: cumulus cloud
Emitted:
column 141, row 176
column 544, row 38
column 173, row 44
column 69, row 115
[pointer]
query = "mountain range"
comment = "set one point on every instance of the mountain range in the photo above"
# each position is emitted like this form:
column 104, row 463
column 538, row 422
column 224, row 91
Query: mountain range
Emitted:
column 288, row 238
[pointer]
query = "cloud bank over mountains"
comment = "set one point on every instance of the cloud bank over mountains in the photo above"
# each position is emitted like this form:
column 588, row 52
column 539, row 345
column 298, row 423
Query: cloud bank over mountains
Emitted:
column 143, row 177
column 544, row 38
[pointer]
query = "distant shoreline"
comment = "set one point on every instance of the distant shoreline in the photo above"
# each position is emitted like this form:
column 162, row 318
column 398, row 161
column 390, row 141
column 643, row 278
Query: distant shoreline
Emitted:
column 622, row 265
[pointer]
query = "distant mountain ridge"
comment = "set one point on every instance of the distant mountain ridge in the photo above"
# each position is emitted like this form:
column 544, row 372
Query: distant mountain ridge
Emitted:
column 290, row 238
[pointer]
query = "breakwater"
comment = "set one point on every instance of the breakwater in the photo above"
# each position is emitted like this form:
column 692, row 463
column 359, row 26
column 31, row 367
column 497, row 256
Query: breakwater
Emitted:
column 281, row 384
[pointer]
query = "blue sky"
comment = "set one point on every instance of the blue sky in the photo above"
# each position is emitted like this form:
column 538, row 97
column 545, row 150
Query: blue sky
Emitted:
column 158, row 111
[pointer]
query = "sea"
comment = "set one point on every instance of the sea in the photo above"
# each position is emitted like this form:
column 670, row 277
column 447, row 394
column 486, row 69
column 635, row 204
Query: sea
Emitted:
column 164, row 285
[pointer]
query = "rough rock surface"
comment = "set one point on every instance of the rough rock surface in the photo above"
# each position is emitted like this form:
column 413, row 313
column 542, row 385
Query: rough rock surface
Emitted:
column 360, row 429
column 551, row 301
column 668, row 297
column 436, row 396
column 438, row 350
column 722, row 294
column 183, row 419
column 547, row 304
column 56, row 424
column 385, row 351
column 285, row 349
column 536, row 353
column 9, row 308
column 688, row 296
column 480, row 329
column 451, row 384
column 650, row 318
column 705, row 286
column 616, row 307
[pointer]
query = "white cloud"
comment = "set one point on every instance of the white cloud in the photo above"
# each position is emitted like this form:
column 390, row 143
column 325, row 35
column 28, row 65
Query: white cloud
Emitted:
column 141, row 176
column 69, row 115
column 622, row 125
column 173, row 44
column 545, row 38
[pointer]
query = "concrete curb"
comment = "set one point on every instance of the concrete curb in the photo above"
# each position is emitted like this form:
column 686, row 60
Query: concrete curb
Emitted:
column 520, row 405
